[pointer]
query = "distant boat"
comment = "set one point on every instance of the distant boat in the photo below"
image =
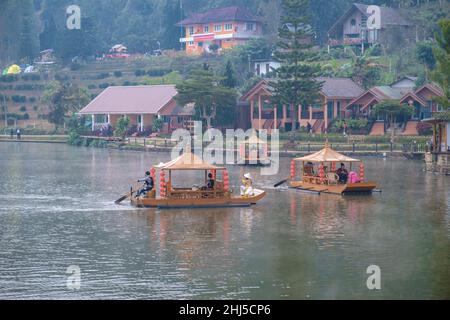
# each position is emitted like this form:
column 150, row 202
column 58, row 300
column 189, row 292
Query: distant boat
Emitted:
column 254, row 151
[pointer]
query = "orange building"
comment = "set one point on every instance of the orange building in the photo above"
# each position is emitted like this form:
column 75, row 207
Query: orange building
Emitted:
column 219, row 29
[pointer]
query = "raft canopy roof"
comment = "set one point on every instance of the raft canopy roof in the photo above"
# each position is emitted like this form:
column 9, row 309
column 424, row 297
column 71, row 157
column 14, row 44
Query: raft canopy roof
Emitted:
column 253, row 139
column 187, row 161
column 326, row 155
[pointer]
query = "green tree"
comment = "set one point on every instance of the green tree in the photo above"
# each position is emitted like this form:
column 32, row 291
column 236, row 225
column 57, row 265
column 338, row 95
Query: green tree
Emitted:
column 296, row 79
column 392, row 109
column 442, row 53
column 157, row 124
column 122, row 127
column 63, row 100
column 204, row 89
column 365, row 70
column 229, row 79
column 425, row 55
column 29, row 42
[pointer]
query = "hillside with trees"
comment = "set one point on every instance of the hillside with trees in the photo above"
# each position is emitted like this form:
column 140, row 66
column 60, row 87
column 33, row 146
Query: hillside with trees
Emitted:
column 30, row 26
column 144, row 25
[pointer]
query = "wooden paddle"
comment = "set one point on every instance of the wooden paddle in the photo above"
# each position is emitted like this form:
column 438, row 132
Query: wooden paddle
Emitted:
column 125, row 196
column 280, row 183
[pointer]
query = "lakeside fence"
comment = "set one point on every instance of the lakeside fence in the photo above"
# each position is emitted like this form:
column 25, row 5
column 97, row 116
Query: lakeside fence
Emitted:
column 304, row 147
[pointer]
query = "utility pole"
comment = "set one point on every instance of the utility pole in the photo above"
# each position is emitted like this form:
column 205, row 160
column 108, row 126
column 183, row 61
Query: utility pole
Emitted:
column 181, row 25
column 5, row 108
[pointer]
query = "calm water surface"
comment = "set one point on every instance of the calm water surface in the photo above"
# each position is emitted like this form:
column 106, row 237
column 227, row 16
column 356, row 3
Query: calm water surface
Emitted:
column 57, row 210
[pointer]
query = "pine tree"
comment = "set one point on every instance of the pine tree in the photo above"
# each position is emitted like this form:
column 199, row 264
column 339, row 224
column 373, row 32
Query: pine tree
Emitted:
column 229, row 80
column 296, row 79
column 28, row 36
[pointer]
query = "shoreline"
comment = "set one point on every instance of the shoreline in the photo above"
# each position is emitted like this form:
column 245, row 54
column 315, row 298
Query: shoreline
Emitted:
column 396, row 154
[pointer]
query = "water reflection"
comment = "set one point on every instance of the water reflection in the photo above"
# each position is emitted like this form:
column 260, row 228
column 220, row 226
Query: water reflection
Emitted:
column 292, row 245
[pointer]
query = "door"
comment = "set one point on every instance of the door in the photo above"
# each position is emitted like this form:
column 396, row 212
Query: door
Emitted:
column 330, row 110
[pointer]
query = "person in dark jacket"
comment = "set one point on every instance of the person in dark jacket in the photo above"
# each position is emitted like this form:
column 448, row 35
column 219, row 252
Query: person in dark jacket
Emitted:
column 210, row 182
column 149, row 184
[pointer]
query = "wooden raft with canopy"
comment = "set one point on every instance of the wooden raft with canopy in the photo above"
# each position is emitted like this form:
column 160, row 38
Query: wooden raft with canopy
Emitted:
column 319, row 174
column 254, row 151
column 173, row 197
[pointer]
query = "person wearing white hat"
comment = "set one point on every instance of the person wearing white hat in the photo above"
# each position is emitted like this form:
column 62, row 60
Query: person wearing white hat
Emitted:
column 247, row 188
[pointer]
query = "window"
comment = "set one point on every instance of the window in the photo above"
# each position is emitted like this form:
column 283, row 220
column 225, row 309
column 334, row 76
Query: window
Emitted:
column 191, row 31
column 191, row 43
column 217, row 27
column 228, row 26
column 353, row 22
column 206, row 29
column 250, row 26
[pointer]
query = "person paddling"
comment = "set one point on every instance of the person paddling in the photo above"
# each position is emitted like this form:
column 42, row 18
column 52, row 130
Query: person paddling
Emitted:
column 148, row 185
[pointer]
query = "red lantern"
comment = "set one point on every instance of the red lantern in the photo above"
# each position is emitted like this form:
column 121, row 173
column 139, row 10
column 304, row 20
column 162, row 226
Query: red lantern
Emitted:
column 153, row 173
column 361, row 172
column 162, row 184
column 226, row 181
column 321, row 173
column 293, row 169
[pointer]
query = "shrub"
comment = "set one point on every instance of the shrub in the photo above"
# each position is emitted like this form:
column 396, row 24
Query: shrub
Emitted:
column 92, row 86
column 19, row 99
column 9, row 78
column 103, row 85
column 117, row 74
column 103, row 75
column 424, row 129
column 74, row 66
column 139, row 73
column 158, row 72
column 74, row 139
column 24, row 87
column 61, row 77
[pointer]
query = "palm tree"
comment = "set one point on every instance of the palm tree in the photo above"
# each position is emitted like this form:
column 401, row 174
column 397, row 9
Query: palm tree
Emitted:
column 364, row 69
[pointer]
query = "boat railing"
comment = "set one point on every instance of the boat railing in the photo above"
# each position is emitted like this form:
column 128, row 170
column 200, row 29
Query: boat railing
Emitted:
column 180, row 193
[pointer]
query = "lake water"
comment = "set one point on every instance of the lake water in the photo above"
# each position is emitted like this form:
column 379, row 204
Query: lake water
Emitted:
column 57, row 210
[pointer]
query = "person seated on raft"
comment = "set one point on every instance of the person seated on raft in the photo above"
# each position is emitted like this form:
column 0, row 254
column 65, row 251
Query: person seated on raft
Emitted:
column 210, row 183
column 148, row 185
column 342, row 173
column 247, row 188
column 309, row 169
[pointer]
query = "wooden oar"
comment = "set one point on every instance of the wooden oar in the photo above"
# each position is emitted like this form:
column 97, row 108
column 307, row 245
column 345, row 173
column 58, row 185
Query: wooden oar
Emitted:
column 125, row 196
column 280, row 183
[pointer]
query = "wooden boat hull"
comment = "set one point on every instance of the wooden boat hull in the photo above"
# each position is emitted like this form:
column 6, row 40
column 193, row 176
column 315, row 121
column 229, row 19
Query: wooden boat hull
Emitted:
column 342, row 189
column 167, row 203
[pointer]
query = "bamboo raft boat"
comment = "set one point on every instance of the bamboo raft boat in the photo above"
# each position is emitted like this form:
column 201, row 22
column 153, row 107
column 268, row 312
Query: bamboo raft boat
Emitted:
column 172, row 197
column 327, row 180
column 254, row 152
